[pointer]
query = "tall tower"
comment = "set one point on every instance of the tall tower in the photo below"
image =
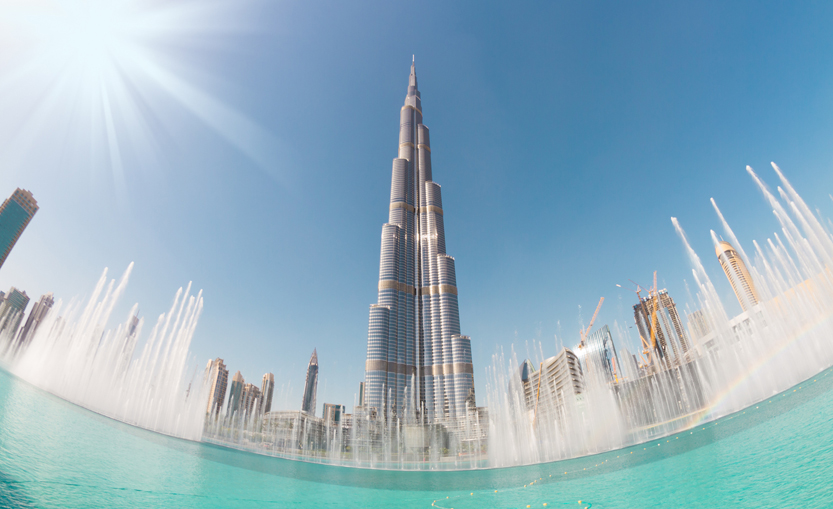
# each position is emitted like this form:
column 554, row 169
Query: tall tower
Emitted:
column 418, row 364
column 267, row 388
column 311, row 385
column 15, row 214
column 218, row 383
column 739, row 277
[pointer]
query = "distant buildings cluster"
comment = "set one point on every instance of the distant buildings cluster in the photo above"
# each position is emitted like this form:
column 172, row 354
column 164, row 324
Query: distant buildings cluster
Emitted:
column 15, row 214
column 243, row 398
column 663, row 374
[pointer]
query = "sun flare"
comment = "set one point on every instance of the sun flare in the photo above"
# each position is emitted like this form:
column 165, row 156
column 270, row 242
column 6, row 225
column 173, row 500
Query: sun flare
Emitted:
column 99, row 77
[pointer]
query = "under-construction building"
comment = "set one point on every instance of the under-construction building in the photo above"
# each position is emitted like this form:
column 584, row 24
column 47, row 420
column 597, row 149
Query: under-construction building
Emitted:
column 670, row 343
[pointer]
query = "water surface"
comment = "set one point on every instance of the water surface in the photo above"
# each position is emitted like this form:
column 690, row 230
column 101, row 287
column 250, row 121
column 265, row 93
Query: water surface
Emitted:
column 778, row 453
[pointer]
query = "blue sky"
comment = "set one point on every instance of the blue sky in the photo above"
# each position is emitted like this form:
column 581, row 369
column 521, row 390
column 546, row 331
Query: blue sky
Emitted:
column 246, row 146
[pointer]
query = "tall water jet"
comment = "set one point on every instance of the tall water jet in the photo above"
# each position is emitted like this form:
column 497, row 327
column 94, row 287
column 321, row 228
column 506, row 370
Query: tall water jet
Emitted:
column 74, row 356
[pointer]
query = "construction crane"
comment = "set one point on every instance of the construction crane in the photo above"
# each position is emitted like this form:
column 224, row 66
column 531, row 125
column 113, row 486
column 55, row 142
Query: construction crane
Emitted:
column 584, row 333
column 596, row 313
column 648, row 347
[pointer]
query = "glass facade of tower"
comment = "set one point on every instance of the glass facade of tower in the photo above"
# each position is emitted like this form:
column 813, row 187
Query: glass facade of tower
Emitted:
column 267, row 388
column 12, row 307
column 235, row 393
column 311, row 385
column 15, row 214
column 600, row 357
column 418, row 364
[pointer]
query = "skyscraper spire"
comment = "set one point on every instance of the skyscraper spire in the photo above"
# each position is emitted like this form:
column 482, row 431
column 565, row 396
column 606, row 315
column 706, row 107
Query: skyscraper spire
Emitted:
column 412, row 83
column 418, row 365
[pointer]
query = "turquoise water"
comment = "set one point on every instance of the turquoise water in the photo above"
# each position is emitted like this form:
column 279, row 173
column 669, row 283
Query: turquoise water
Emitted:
column 778, row 453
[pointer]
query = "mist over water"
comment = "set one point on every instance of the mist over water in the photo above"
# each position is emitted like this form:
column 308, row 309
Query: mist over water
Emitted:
column 154, row 386
column 784, row 339
column 729, row 364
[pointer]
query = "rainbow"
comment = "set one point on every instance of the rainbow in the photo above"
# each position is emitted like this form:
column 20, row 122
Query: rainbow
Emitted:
column 703, row 414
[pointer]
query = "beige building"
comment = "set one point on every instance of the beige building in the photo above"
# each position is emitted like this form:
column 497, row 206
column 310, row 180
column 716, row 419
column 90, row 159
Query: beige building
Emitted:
column 555, row 386
column 217, row 384
column 738, row 275
column 250, row 399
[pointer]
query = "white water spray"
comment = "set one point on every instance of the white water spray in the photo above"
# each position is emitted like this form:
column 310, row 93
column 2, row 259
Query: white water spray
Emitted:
column 72, row 355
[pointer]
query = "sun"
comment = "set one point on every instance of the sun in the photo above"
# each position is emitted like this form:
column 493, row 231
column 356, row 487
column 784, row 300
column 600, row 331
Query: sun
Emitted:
column 96, row 77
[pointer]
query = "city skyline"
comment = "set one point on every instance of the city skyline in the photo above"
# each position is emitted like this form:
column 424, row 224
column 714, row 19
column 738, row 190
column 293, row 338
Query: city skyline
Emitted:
column 548, row 140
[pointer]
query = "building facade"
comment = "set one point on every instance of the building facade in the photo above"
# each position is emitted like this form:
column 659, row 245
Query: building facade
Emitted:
column 311, row 385
column 11, row 311
column 332, row 414
column 267, row 388
column 738, row 275
column 418, row 363
column 15, row 214
column 598, row 355
column 36, row 316
column 671, row 340
column 250, row 399
column 217, row 384
column 698, row 324
column 553, row 389
column 235, row 397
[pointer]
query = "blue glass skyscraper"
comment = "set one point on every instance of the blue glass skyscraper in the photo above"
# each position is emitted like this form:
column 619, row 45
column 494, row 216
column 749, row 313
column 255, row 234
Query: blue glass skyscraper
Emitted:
column 311, row 384
column 418, row 363
column 15, row 214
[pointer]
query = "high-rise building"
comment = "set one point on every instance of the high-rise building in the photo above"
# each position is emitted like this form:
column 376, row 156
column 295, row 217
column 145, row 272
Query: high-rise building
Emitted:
column 36, row 315
column 235, row 396
column 738, row 276
column 332, row 414
column 11, row 311
column 598, row 355
column 15, row 214
column 311, row 385
column 553, row 388
column 267, row 388
column 669, row 331
column 217, row 384
column 133, row 325
column 418, row 363
column 250, row 399
column 698, row 325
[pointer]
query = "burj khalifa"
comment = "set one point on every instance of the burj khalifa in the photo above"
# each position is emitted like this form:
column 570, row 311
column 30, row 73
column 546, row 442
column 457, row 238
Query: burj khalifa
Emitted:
column 418, row 366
